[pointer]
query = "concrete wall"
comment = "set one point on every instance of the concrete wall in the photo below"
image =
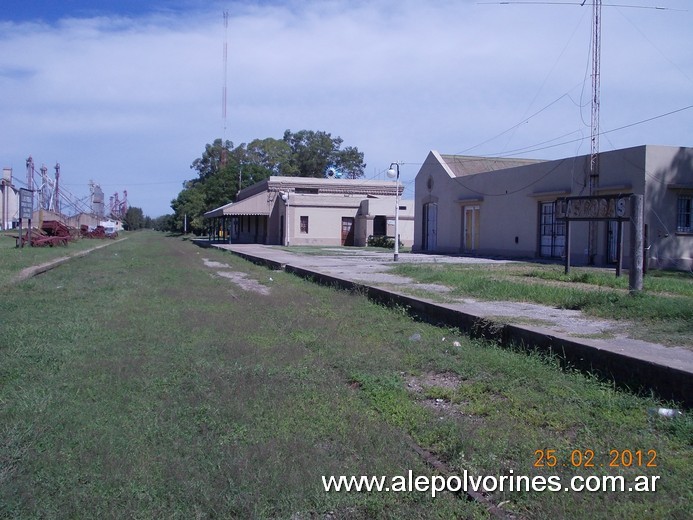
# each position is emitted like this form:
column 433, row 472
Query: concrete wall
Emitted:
column 669, row 175
column 324, row 222
column 509, row 203
column 385, row 207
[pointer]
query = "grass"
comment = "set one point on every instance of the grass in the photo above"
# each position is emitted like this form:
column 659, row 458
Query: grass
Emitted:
column 138, row 383
column 663, row 312
column 15, row 259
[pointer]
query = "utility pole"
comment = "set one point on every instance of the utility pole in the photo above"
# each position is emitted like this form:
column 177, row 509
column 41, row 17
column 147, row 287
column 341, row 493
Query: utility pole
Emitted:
column 637, row 256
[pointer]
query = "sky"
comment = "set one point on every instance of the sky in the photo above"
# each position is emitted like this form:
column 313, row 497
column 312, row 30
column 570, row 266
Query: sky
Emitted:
column 128, row 93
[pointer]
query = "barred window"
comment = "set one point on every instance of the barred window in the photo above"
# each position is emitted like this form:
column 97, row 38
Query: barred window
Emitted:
column 683, row 213
column 304, row 224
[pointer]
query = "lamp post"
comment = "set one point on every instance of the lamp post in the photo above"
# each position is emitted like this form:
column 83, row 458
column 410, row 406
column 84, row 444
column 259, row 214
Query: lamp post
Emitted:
column 393, row 173
column 285, row 198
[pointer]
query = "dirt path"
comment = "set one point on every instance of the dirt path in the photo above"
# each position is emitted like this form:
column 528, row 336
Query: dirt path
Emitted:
column 33, row 270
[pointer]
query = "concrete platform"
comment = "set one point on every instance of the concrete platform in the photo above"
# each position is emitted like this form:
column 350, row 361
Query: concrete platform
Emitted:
column 630, row 362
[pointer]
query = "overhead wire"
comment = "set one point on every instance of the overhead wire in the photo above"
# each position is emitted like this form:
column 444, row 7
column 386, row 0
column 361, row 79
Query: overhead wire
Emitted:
column 543, row 83
column 645, row 37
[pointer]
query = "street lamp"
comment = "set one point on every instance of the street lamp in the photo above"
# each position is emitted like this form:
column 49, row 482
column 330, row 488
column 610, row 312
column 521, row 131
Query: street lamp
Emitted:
column 393, row 173
column 285, row 198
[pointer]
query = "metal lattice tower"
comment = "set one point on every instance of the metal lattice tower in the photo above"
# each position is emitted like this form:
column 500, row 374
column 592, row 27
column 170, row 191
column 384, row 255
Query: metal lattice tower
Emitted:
column 593, row 173
column 596, row 54
column 223, row 89
column 56, row 191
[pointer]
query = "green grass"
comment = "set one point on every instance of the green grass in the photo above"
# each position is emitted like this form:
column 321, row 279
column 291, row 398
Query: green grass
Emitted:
column 662, row 312
column 15, row 259
column 137, row 383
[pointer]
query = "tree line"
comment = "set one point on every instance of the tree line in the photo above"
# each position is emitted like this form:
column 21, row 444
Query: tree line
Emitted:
column 224, row 170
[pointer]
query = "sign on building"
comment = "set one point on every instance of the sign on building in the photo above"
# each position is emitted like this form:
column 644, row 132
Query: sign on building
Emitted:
column 26, row 203
column 608, row 207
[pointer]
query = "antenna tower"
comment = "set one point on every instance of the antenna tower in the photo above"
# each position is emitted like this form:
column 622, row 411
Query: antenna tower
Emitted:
column 594, row 137
column 223, row 89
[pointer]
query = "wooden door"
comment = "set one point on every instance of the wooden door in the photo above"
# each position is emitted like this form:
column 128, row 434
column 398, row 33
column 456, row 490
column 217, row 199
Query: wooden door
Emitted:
column 347, row 231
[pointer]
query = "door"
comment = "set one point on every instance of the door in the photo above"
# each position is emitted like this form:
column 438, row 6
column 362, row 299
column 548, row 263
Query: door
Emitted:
column 281, row 230
column 430, row 227
column 470, row 242
column 612, row 241
column 347, row 231
column 551, row 232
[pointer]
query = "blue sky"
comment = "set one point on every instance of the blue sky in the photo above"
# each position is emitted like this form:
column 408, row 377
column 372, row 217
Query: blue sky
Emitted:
column 127, row 93
column 54, row 10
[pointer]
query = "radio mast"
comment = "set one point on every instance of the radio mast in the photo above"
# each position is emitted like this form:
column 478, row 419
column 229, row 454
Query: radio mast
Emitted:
column 223, row 90
column 594, row 132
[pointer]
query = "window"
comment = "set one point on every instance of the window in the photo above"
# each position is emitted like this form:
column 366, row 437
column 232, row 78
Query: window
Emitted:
column 304, row 224
column 551, row 232
column 683, row 214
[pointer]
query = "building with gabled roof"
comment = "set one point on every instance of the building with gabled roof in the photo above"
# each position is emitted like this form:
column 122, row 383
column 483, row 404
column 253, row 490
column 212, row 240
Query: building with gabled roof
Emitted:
column 507, row 207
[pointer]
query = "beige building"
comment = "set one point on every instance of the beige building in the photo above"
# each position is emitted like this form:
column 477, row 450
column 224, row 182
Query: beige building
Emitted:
column 312, row 211
column 9, row 201
column 507, row 207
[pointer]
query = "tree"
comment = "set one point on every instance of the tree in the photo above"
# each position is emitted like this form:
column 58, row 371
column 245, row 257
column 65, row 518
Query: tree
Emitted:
column 273, row 154
column 211, row 161
column 164, row 223
column 134, row 219
column 189, row 204
column 313, row 152
column 223, row 170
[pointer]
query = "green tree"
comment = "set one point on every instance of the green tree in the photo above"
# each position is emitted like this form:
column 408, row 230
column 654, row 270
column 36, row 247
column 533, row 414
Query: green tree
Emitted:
column 222, row 170
column 134, row 219
column 164, row 223
column 272, row 154
column 212, row 158
column 189, row 204
column 313, row 152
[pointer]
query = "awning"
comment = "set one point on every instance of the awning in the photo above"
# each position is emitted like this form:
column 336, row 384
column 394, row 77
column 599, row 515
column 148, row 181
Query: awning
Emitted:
column 256, row 205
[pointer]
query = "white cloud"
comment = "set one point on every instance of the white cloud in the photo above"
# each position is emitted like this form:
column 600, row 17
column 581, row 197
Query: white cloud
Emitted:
column 133, row 102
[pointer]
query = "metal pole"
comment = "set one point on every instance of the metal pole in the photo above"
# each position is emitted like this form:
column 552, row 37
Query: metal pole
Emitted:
column 635, row 276
column 397, row 217
column 393, row 171
column 285, row 198
column 567, row 247
column 619, row 249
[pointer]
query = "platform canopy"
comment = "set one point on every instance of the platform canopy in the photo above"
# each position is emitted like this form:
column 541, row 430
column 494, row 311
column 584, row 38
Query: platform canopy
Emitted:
column 256, row 205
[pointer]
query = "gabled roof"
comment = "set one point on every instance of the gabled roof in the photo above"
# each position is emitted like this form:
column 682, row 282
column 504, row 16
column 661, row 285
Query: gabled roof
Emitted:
column 461, row 165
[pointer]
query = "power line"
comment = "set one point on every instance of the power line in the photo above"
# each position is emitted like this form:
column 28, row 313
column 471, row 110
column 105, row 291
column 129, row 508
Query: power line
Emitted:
column 584, row 3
